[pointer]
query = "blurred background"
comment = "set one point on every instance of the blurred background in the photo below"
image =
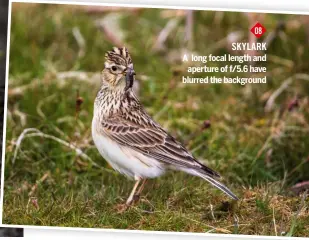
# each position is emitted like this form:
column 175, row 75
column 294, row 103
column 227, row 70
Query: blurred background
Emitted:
column 255, row 135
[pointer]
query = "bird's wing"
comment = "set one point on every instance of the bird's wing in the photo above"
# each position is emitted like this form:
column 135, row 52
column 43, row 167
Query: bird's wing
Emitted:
column 139, row 132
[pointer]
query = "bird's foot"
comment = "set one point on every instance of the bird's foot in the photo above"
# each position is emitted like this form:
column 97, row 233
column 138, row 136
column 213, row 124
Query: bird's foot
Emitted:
column 122, row 207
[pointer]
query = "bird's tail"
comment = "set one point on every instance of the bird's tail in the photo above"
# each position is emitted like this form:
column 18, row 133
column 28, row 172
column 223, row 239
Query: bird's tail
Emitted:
column 212, row 181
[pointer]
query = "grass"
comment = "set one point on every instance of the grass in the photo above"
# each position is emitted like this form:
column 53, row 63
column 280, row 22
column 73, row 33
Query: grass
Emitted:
column 261, row 154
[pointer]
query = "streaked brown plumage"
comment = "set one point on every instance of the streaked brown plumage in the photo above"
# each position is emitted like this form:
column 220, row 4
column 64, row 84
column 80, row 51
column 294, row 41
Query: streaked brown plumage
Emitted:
column 129, row 139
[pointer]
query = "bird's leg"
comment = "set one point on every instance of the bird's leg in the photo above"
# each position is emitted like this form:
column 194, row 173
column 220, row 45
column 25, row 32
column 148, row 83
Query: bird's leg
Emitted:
column 139, row 191
column 131, row 197
column 123, row 207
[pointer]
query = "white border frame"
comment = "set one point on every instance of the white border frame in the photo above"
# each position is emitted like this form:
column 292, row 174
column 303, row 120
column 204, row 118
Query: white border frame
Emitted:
column 83, row 3
column 67, row 2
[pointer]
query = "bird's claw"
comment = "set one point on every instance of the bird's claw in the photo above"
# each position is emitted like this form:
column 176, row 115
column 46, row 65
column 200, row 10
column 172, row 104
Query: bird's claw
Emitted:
column 121, row 208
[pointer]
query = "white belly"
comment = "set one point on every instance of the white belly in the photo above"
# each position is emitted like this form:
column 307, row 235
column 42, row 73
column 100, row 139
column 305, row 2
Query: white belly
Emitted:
column 125, row 160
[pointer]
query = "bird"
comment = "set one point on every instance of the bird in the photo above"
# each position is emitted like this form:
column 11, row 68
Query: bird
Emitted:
column 129, row 139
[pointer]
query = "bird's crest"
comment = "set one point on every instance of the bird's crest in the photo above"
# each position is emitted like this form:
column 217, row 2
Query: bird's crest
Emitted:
column 119, row 56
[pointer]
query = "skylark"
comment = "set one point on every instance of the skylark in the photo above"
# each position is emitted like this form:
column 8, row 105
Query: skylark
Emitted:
column 129, row 139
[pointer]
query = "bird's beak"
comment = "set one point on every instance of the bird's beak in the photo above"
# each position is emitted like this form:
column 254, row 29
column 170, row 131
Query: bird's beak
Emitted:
column 130, row 71
column 129, row 78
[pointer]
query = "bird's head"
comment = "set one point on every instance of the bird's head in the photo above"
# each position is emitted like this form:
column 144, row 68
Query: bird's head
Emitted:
column 118, row 72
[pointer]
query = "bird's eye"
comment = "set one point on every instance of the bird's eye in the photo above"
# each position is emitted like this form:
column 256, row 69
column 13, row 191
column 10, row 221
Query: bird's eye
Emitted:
column 114, row 68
